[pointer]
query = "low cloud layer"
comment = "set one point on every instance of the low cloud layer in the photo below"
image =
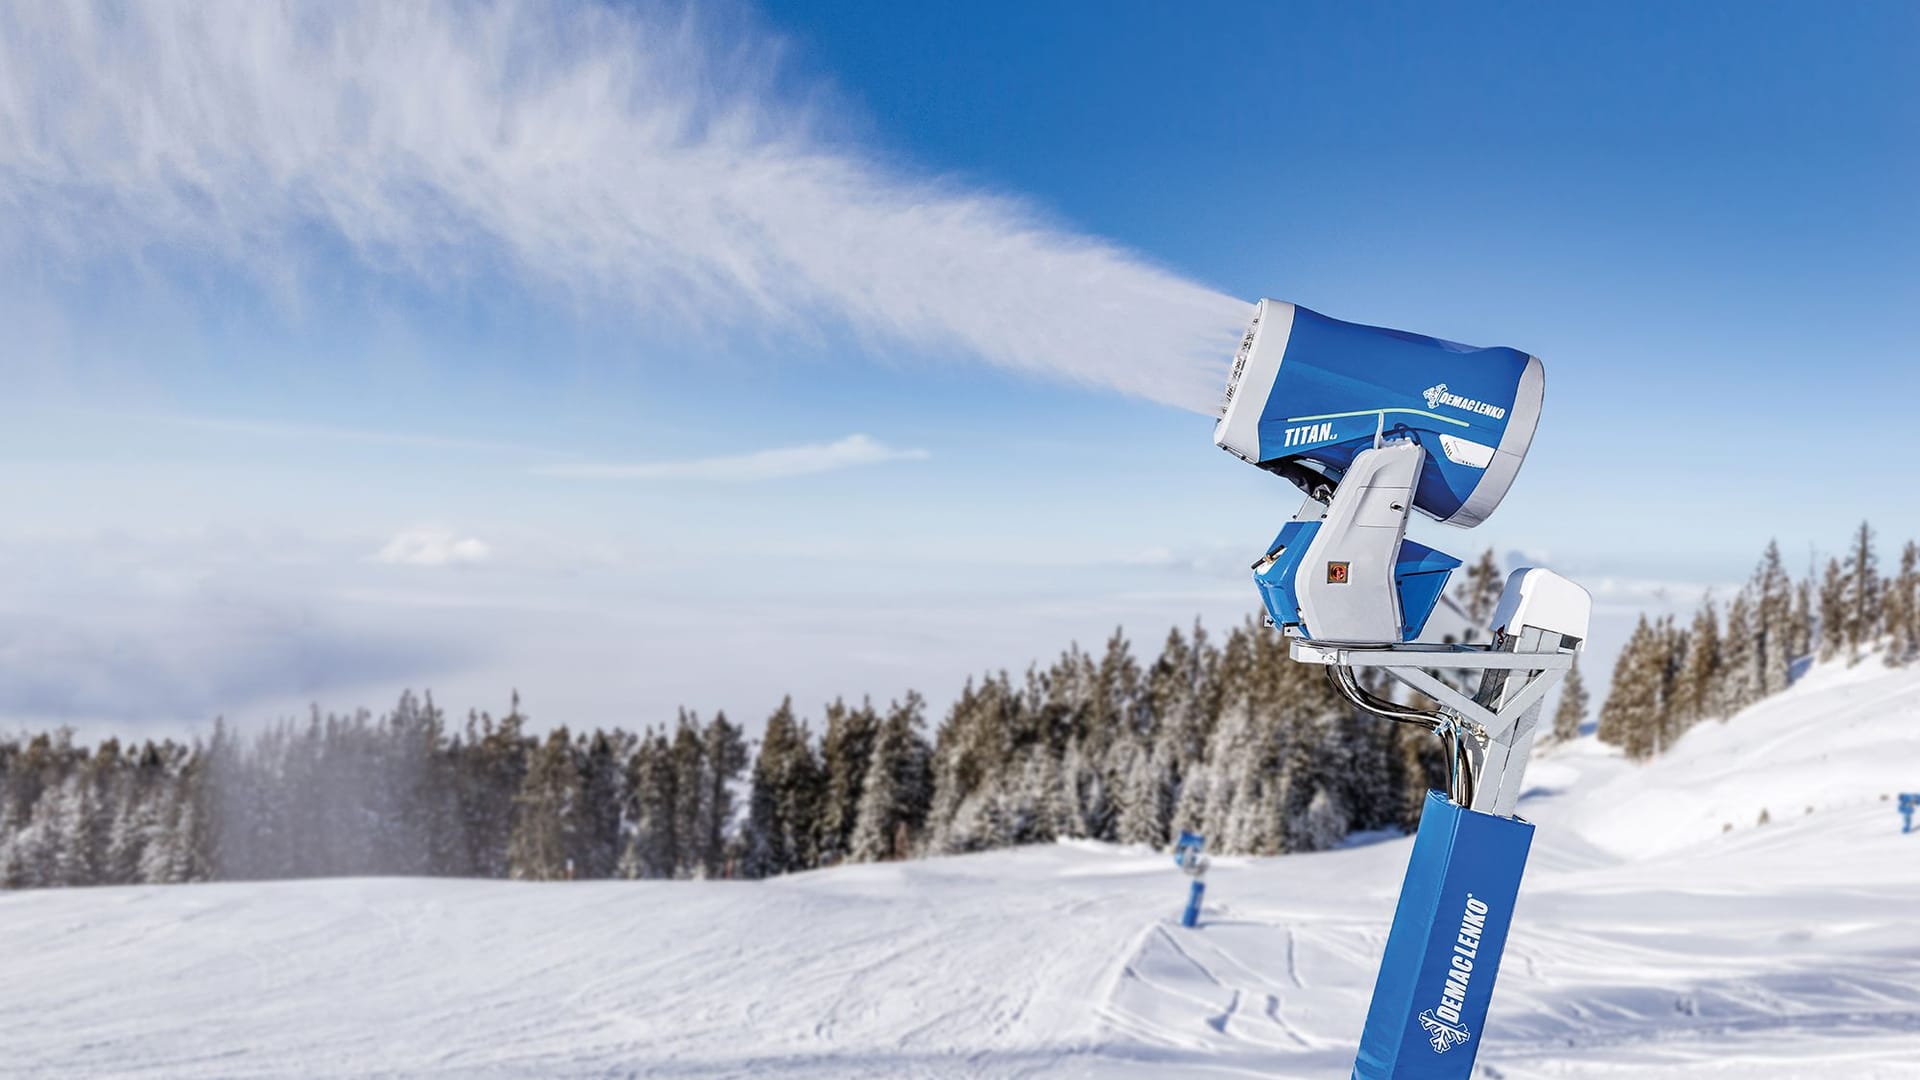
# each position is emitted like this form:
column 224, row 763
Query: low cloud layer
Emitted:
column 641, row 159
column 776, row 464
column 118, row 635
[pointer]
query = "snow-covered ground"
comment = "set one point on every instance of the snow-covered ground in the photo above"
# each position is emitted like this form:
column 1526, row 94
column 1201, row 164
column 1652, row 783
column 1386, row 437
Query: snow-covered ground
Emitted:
column 1662, row 932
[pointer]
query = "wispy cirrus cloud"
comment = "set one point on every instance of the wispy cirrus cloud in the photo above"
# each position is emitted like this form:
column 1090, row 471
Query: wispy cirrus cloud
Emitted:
column 646, row 159
column 775, row 464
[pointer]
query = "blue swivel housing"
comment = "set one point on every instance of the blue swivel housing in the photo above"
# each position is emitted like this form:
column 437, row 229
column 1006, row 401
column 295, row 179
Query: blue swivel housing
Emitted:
column 1419, row 577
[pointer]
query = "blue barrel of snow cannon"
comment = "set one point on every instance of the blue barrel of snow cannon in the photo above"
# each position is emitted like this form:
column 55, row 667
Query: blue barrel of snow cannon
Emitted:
column 1436, row 978
column 1308, row 393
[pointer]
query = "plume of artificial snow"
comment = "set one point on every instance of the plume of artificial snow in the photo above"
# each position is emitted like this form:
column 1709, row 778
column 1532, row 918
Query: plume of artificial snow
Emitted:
column 636, row 157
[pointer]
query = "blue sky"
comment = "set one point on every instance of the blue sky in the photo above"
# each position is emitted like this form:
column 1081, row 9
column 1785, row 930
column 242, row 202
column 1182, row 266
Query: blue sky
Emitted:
column 308, row 345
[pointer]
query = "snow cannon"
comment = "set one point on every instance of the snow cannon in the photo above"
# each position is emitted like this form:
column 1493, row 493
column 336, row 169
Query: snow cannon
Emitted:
column 1371, row 424
column 1189, row 854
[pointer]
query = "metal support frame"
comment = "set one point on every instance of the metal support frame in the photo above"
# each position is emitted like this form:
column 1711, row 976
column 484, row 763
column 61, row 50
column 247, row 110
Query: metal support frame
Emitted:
column 1489, row 735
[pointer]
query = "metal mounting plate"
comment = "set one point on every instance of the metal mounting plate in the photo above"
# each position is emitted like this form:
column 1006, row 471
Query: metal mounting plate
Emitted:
column 1479, row 657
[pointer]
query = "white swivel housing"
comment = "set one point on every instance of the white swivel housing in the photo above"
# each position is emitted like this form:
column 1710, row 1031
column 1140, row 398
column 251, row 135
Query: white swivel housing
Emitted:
column 1540, row 599
column 1346, row 583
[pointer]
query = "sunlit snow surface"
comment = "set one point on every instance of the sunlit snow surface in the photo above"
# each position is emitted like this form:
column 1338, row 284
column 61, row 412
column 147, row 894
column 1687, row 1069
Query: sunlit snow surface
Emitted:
column 1647, row 943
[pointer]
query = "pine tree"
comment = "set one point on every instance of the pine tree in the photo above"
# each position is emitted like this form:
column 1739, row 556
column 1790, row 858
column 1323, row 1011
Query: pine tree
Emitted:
column 1629, row 717
column 846, row 751
column 1087, row 807
column 546, row 826
column 1701, row 691
column 898, row 790
column 654, row 847
column 690, row 817
column 1035, row 804
column 161, row 853
column 1863, row 595
column 75, row 861
column 1740, row 678
column 974, row 755
column 1773, row 593
column 1833, row 612
column 784, row 805
column 1117, row 713
column 1572, row 710
column 724, row 752
column 1181, row 689
column 126, row 842
column 1482, row 595
column 603, row 795
column 1146, row 798
column 1902, row 608
column 1801, row 640
column 1670, row 647
column 1742, row 665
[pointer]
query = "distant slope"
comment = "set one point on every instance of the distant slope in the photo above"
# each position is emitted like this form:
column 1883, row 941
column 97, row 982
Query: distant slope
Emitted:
column 1648, row 943
column 1839, row 737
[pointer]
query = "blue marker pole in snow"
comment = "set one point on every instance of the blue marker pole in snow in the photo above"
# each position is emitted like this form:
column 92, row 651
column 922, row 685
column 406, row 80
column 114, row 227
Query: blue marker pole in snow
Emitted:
column 1190, row 918
column 1907, row 805
column 1188, row 856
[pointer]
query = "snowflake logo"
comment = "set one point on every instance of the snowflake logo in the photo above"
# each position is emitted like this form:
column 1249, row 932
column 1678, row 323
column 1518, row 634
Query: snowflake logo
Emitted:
column 1442, row 1035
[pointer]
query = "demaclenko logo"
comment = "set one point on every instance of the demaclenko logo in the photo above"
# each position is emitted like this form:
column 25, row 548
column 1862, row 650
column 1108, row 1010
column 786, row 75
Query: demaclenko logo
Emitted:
column 1442, row 1022
column 1437, row 396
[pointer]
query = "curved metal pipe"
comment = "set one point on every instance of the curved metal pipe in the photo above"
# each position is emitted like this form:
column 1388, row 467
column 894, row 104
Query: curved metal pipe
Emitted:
column 1453, row 735
column 1461, row 783
column 1349, row 687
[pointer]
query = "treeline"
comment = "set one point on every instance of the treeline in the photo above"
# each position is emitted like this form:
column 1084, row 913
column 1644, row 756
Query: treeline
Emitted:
column 1670, row 677
column 355, row 795
column 1229, row 738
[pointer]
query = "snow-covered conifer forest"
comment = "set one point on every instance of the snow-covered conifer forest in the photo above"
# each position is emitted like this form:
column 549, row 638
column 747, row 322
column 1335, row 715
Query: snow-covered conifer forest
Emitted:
column 1226, row 737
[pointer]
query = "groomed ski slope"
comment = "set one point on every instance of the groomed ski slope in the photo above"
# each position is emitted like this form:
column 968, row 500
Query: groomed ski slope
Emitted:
column 1648, row 942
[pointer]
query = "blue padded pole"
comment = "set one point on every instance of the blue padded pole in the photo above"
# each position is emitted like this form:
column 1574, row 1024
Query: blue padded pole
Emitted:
column 1191, row 917
column 1436, row 977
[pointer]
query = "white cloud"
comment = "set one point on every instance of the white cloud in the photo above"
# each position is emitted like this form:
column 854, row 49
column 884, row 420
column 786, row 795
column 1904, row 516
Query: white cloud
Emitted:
column 648, row 162
column 1650, row 595
column 432, row 547
column 760, row 465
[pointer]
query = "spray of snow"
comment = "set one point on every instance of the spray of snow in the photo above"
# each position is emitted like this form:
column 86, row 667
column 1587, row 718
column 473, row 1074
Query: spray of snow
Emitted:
column 641, row 159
